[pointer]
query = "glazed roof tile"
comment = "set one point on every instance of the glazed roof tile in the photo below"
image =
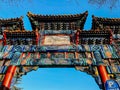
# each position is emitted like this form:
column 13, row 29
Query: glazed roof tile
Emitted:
column 12, row 21
column 57, row 18
column 98, row 22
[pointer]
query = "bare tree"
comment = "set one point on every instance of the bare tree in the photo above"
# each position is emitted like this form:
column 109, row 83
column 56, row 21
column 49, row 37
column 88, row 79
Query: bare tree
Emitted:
column 109, row 3
column 16, row 2
column 100, row 3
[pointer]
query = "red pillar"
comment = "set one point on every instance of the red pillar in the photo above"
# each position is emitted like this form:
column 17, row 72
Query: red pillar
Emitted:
column 103, row 73
column 77, row 38
column 111, row 37
column 101, row 69
column 4, row 36
column 37, row 37
column 8, row 77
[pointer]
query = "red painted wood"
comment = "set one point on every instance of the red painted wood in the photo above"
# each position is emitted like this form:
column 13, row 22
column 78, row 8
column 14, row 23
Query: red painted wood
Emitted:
column 77, row 38
column 8, row 76
column 103, row 73
column 4, row 35
column 37, row 37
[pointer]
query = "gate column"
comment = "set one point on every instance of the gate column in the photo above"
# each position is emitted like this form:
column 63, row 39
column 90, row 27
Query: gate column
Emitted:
column 101, row 68
column 8, row 77
column 103, row 73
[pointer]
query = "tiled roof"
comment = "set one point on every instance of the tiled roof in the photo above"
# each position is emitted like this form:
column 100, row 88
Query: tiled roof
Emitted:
column 100, row 22
column 37, row 18
column 57, row 17
column 12, row 21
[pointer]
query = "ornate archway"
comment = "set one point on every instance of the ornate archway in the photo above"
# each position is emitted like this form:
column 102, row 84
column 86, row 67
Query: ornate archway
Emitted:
column 60, row 41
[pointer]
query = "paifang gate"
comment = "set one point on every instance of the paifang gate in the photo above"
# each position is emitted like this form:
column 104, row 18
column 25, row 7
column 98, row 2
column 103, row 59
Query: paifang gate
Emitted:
column 60, row 41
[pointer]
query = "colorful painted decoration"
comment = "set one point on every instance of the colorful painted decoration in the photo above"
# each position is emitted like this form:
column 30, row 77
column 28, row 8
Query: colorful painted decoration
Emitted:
column 112, row 85
column 60, row 41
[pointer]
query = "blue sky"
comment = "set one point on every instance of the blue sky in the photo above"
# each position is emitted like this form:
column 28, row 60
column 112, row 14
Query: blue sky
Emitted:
column 56, row 78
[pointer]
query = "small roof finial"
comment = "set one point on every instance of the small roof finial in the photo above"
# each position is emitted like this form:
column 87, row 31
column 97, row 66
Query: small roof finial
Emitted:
column 29, row 14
